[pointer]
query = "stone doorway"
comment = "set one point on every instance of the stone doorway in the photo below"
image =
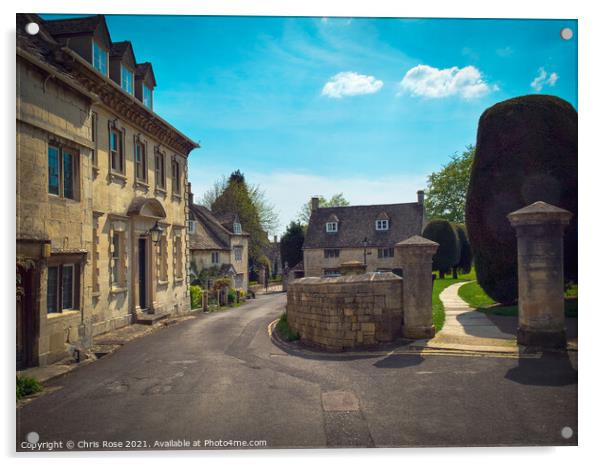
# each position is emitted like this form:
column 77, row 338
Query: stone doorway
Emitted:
column 26, row 318
column 143, row 273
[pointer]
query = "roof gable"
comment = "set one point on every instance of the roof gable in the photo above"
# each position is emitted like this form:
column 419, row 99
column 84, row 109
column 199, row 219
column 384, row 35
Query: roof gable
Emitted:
column 124, row 51
column 87, row 26
column 145, row 72
column 358, row 222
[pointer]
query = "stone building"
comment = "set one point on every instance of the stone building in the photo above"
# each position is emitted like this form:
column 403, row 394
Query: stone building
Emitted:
column 98, row 172
column 367, row 234
column 218, row 245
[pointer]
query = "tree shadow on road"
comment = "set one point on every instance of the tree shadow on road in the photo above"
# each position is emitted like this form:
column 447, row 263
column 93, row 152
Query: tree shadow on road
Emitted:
column 552, row 370
column 399, row 361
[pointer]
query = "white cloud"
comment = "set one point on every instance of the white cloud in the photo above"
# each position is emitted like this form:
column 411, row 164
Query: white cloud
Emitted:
column 427, row 81
column 543, row 79
column 350, row 83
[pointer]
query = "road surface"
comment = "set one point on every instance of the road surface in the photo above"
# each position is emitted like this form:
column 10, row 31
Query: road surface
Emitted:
column 217, row 381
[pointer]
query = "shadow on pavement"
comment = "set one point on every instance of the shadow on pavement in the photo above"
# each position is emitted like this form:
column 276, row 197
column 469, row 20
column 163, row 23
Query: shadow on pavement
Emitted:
column 552, row 370
column 398, row 361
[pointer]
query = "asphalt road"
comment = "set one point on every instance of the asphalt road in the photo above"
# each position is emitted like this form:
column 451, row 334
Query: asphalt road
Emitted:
column 219, row 378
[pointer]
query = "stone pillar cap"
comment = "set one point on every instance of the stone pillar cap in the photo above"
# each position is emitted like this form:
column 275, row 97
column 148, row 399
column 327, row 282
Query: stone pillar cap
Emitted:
column 539, row 212
column 417, row 241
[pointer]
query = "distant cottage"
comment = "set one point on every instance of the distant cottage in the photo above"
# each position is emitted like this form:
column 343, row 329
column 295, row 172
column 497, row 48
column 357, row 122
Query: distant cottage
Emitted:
column 218, row 244
column 367, row 234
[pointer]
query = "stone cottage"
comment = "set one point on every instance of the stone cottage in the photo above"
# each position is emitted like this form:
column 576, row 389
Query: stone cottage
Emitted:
column 101, row 191
column 367, row 234
column 218, row 245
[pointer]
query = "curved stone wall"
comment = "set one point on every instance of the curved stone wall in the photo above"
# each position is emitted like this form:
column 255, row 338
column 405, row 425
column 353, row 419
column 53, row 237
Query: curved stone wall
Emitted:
column 346, row 312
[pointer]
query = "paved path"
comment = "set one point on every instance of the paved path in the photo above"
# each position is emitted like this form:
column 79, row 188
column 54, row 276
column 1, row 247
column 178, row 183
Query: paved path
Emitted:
column 466, row 326
column 218, row 377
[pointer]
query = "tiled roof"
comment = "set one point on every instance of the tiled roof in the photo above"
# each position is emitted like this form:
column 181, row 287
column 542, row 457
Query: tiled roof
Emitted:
column 358, row 222
column 209, row 234
column 119, row 48
column 143, row 68
column 73, row 26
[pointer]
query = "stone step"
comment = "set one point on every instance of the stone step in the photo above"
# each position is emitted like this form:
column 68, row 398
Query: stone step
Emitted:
column 145, row 318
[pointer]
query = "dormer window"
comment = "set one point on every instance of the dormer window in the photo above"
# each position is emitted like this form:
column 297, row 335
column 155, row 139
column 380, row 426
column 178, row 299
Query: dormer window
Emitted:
column 127, row 80
column 237, row 228
column 332, row 227
column 147, row 96
column 382, row 225
column 99, row 57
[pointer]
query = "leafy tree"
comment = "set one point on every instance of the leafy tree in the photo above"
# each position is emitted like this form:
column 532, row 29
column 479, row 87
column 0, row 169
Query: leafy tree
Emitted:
column 268, row 218
column 465, row 262
column 236, row 197
column 291, row 244
column 337, row 200
column 446, row 189
column 448, row 253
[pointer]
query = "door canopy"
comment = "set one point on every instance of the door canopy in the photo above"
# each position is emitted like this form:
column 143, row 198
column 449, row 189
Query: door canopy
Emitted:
column 146, row 207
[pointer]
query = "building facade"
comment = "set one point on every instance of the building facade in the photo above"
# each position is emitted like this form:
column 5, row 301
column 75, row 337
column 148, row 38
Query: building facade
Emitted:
column 367, row 234
column 98, row 171
column 218, row 246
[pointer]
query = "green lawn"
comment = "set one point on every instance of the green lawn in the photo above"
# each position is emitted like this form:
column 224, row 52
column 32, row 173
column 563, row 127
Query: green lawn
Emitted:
column 438, row 286
column 474, row 295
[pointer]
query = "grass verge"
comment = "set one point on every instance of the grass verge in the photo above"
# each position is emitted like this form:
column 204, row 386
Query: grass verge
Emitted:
column 474, row 295
column 284, row 331
column 27, row 386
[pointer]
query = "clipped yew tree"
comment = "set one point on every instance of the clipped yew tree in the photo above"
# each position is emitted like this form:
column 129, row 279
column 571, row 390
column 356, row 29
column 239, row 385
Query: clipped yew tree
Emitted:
column 465, row 261
column 448, row 254
column 526, row 152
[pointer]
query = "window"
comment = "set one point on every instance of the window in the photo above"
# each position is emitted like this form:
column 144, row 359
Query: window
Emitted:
column 215, row 257
column 178, row 256
column 63, row 172
column 99, row 57
column 384, row 253
column 332, row 273
column 147, row 96
column 332, row 227
column 331, row 253
column 116, row 150
column 382, row 225
column 238, row 253
column 237, row 228
column 127, row 80
column 140, row 157
column 191, row 226
column 62, row 289
column 163, row 259
column 159, row 169
column 94, row 137
column 175, row 176
column 117, row 263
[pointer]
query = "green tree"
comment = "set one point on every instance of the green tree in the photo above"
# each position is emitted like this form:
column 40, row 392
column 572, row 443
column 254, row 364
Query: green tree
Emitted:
column 448, row 253
column 465, row 261
column 446, row 189
column 235, row 196
column 337, row 200
column 291, row 244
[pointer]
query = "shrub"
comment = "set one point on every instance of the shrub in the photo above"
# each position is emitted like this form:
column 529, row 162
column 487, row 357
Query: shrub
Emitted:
column 284, row 330
column 448, row 253
column 196, row 296
column 231, row 296
column 526, row 152
column 465, row 262
column 27, row 386
column 242, row 294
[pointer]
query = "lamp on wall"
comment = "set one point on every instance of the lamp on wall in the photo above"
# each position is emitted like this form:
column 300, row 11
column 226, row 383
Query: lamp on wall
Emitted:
column 156, row 232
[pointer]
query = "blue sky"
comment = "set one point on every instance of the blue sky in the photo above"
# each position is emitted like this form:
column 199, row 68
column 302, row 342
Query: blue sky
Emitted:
column 367, row 107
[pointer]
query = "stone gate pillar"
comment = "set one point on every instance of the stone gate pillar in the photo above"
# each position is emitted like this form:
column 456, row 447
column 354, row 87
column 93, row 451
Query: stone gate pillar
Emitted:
column 416, row 261
column 539, row 230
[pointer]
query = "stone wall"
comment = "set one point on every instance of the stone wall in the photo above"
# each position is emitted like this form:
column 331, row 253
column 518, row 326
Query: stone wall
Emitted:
column 346, row 312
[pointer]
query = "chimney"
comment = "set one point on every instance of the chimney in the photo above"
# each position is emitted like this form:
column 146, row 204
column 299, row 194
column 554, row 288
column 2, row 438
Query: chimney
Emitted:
column 275, row 239
column 190, row 195
column 315, row 203
column 420, row 194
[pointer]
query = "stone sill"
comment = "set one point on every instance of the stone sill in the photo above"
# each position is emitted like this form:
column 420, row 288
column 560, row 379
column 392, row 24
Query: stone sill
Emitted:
column 115, row 176
column 116, row 290
column 160, row 191
column 178, row 280
column 163, row 282
column 58, row 315
column 95, row 294
column 141, row 185
column 176, row 197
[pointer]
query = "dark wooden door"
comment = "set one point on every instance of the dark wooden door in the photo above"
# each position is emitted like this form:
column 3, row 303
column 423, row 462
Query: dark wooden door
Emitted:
column 26, row 322
column 142, row 272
